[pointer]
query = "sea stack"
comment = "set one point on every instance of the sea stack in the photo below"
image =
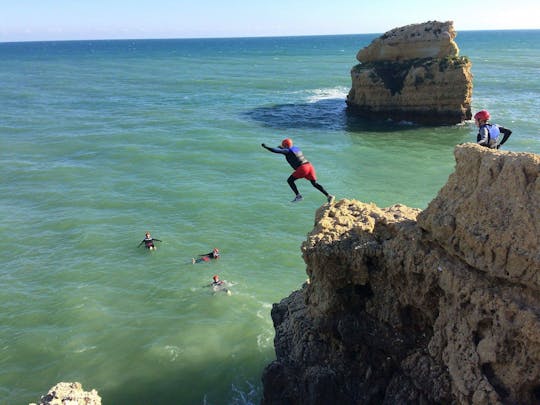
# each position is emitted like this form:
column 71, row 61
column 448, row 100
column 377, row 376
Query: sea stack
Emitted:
column 413, row 73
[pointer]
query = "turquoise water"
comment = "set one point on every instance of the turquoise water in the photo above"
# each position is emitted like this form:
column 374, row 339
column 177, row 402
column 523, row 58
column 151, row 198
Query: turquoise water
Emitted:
column 103, row 140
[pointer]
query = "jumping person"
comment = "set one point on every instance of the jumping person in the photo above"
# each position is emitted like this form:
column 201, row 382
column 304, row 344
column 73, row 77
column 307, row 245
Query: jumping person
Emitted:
column 214, row 254
column 302, row 168
column 489, row 134
column 149, row 241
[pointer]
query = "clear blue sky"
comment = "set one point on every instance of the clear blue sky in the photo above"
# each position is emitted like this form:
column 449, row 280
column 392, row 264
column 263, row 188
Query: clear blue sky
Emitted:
column 25, row 20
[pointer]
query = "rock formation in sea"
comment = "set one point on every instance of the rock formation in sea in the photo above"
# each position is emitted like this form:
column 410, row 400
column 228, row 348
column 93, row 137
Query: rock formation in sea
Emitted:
column 70, row 393
column 413, row 73
column 403, row 306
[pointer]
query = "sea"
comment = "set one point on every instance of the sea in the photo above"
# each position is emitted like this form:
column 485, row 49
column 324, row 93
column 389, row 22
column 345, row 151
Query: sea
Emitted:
column 102, row 141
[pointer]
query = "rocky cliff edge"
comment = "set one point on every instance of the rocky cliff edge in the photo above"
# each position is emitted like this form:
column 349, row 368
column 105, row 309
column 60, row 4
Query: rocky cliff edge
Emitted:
column 406, row 306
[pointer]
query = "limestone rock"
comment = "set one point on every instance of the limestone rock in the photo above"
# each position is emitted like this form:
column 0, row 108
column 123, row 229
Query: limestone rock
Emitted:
column 414, row 74
column 429, row 307
column 432, row 39
column 66, row 393
column 493, row 223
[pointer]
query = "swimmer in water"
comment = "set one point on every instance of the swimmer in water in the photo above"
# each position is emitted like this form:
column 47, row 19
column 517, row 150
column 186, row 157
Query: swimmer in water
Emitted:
column 213, row 255
column 219, row 285
column 148, row 242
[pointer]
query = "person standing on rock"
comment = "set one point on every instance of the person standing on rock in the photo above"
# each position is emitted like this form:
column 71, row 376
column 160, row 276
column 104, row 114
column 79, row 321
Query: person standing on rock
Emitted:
column 489, row 134
column 302, row 168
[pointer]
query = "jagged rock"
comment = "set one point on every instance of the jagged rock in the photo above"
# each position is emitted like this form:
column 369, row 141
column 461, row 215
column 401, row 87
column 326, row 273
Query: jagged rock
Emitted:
column 432, row 39
column 406, row 306
column 66, row 393
column 494, row 226
column 413, row 73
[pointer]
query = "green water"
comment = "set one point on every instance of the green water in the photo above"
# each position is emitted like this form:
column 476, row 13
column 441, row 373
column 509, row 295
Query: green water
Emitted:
column 101, row 142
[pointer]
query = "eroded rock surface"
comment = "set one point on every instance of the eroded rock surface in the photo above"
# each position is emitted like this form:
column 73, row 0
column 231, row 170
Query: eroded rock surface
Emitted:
column 406, row 306
column 413, row 73
column 432, row 39
column 70, row 393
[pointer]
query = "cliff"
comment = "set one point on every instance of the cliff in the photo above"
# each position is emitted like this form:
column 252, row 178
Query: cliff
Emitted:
column 413, row 73
column 404, row 306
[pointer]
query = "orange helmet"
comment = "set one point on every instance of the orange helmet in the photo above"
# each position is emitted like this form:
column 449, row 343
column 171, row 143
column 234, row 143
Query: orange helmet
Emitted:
column 286, row 143
column 482, row 115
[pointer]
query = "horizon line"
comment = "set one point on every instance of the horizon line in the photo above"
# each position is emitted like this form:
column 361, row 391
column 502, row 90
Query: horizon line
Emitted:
column 237, row 37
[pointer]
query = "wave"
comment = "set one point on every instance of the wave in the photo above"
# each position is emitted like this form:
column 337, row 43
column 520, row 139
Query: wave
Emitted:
column 333, row 93
column 313, row 109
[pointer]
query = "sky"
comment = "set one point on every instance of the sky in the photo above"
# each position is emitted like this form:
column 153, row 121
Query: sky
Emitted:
column 44, row 20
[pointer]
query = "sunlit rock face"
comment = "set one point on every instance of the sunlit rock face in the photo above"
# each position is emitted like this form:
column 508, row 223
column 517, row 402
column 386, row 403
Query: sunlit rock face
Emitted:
column 70, row 393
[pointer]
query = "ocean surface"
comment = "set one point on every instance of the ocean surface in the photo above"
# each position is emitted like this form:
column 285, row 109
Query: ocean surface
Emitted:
column 101, row 141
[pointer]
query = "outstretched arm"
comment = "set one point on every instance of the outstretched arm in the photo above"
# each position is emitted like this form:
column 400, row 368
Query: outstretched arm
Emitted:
column 275, row 150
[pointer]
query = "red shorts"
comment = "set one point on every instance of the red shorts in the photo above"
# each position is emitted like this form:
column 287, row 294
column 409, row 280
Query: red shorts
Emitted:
column 306, row 171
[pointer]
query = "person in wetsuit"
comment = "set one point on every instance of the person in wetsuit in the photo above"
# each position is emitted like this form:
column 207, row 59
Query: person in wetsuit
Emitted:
column 148, row 241
column 489, row 135
column 302, row 168
column 219, row 285
column 214, row 254
column 216, row 282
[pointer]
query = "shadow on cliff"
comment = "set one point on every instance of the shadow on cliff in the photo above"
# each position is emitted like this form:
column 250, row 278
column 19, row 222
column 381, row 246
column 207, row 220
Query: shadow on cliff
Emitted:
column 327, row 114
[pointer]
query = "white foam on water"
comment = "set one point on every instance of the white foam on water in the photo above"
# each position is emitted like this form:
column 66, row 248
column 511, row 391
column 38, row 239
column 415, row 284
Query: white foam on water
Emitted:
column 331, row 93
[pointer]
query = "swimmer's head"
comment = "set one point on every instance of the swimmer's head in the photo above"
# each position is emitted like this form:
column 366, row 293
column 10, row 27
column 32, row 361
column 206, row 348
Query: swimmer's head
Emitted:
column 215, row 278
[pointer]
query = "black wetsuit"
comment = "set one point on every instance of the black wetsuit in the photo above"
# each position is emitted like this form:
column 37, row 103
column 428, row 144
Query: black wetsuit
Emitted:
column 207, row 257
column 296, row 159
column 149, row 242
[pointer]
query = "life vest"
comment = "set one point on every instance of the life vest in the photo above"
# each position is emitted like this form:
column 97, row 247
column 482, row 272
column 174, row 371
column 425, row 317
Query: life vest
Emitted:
column 493, row 133
column 295, row 157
